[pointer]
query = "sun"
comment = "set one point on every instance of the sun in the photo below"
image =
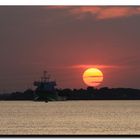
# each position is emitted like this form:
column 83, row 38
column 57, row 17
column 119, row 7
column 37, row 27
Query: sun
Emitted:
column 93, row 77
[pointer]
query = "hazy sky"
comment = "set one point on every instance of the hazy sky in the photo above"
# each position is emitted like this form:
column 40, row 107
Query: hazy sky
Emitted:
column 67, row 40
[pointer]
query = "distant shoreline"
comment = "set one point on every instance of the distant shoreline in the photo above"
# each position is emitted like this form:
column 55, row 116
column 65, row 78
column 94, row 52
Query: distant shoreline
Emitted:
column 90, row 93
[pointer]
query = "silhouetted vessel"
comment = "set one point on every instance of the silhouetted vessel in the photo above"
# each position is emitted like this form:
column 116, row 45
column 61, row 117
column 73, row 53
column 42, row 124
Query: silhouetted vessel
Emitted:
column 45, row 90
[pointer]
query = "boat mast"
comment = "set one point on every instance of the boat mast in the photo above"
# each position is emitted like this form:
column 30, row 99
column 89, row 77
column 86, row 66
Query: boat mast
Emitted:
column 45, row 78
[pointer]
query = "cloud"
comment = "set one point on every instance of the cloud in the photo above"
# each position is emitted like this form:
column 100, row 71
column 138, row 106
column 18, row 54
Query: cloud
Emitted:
column 97, row 76
column 95, row 66
column 99, row 13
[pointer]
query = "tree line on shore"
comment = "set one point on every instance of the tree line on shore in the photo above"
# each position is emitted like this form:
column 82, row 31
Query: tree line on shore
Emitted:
column 90, row 93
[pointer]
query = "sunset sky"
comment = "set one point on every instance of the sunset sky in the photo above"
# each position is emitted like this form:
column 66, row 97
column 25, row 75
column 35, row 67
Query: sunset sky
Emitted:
column 65, row 41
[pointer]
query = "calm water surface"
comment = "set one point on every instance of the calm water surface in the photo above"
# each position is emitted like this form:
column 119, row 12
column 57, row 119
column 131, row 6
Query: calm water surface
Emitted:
column 70, row 117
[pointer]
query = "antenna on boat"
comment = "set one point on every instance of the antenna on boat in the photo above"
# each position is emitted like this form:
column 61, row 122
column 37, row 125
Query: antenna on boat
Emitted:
column 45, row 77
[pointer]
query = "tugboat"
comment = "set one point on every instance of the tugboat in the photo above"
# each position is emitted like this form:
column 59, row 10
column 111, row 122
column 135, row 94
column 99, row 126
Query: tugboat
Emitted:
column 45, row 90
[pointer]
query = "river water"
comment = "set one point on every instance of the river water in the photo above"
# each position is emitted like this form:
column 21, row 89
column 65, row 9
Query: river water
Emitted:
column 70, row 117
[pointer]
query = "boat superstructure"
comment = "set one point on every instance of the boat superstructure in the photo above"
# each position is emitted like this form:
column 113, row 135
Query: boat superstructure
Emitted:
column 45, row 88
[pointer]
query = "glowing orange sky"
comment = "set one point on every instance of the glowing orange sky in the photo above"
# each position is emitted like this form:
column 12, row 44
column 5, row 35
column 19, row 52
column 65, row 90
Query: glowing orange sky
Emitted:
column 95, row 66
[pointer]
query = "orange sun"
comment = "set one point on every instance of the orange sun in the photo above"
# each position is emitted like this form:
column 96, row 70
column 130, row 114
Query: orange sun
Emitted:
column 92, row 77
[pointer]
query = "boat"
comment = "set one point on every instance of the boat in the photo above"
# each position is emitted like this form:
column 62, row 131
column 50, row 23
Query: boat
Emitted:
column 45, row 89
